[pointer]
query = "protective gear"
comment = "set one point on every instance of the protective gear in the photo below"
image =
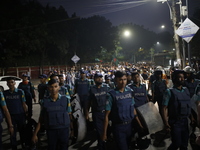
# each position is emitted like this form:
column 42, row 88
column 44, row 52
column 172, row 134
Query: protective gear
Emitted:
column 139, row 94
column 98, row 83
column 188, row 69
column 64, row 91
column 122, row 107
column 1, row 115
column 175, row 75
column 56, row 113
column 180, row 105
column 191, row 86
column 99, row 101
column 160, row 88
column 14, row 101
column 82, row 87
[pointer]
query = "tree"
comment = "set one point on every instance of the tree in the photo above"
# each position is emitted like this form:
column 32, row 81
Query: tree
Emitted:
column 95, row 33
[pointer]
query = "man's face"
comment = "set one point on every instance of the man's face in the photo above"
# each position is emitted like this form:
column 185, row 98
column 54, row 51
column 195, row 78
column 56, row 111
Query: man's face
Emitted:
column 55, row 77
column 180, row 79
column 24, row 78
column 121, row 82
column 136, row 78
column 98, row 80
column 187, row 75
column 129, row 78
column 42, row 80
column 107, row 80
column 83, row 75
column 11, row 84
column 54, row 88
column 158, row 76
column 61, row 80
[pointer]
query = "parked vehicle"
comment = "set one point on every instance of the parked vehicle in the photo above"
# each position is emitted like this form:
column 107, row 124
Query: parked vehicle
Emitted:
column 3, row 83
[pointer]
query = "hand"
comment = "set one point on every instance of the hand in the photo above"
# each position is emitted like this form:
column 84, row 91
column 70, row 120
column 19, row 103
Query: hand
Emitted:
column 11, row 130
column 87, row 117
column 167, row 127
column 34, row 99
column 34, row 139
column 72, row 133
column 104, row 137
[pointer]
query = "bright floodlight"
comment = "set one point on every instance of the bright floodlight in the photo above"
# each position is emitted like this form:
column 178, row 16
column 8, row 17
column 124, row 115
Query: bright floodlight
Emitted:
column 162, row 26
column 158, row 43
column 127, row 33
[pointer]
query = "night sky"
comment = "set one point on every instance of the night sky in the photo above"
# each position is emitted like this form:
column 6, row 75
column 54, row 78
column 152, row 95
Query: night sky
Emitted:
column 148, row 13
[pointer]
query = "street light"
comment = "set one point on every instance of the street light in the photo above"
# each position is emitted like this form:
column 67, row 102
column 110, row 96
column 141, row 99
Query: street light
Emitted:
column 174, row 21
column 163, row 26
column 127, row 33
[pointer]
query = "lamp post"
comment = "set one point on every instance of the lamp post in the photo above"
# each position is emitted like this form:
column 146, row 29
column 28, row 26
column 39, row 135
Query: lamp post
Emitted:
column 174, row 21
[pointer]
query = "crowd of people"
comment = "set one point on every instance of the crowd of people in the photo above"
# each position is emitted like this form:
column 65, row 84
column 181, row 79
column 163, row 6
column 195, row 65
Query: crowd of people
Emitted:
column 111, row 94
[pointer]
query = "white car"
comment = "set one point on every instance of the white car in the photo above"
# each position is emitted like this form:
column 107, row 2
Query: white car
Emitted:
column 3, row 82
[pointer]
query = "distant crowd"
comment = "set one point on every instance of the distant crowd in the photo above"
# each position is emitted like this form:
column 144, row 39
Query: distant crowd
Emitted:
column 111, row 94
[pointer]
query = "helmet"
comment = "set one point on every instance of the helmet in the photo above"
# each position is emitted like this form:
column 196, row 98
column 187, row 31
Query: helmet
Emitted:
column 188, row 69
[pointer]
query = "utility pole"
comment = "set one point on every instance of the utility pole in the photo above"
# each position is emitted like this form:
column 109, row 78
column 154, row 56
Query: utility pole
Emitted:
column 176, row 37
column 183, row 42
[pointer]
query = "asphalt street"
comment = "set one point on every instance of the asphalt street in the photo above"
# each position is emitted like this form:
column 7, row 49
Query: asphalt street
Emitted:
column 159, row 141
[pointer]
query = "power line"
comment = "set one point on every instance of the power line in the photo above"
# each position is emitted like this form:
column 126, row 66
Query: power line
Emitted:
column 53, row 22
column 124, row 6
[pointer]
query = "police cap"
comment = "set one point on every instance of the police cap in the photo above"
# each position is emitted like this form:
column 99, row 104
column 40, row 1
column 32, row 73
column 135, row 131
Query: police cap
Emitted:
column 96, row 75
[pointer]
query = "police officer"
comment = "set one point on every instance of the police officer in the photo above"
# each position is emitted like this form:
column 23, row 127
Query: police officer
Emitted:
column 177, row 102
column 120, row 107
column 42, row 87
column 56, row 115
column 140, row 98
column 63, row 90
column 129, row 78
column 90, row 78
column 108, row 82
column 139, row 90
column 190, row 82
column 82, row 87
column 28, row 89
column 15, row 100
column 4, row 109
column 64, row 85
column 158, row 88
column 97, row 101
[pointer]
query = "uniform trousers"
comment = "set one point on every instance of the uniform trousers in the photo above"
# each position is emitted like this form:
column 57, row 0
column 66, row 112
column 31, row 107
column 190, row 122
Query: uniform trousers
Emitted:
column 179, row 134
column 98, row 119
column 58, row 137
column 122, row 134
column 19, row 122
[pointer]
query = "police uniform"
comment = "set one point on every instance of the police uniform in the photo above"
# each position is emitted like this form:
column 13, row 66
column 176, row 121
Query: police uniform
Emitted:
column 110, row 84
column 97, row 100
column 121, row 105
column 197, row 92
column 56, row 121
column 191, row 86
column 2, row 103
column 29, row 95
column 14, row 104
column 62, row 91
column 158, row 88
column 42, row 87
column 139, row 94
column 82, row 88
column 179, row 109
column 69, row 88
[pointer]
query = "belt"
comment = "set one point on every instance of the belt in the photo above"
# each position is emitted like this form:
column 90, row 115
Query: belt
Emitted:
column 102, row 111
column 179, row 118
column 123, row 122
